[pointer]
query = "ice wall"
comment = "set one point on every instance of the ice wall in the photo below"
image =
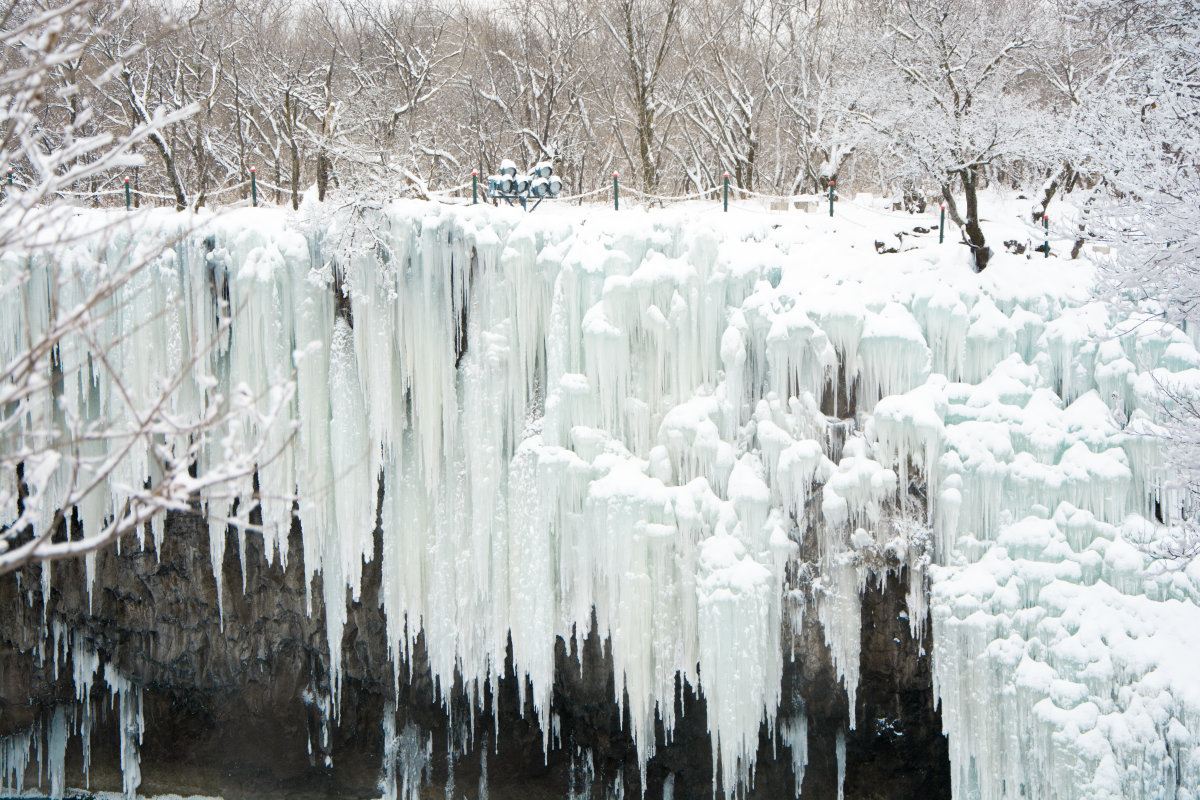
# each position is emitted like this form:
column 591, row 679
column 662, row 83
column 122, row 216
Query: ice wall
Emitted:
column 636, row 417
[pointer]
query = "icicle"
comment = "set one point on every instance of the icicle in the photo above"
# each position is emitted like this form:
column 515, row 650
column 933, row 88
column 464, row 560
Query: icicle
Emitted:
column 892, row 355
column 217, row 528
column 916, row 598
column 415, row 755
column 733, row 358
column 483, row 769
column 85, row 665
column 839, row 609
column 14, row 760
column 741, row 682
column 241, row 541
column 131, row 727
column 89, row 569
column 56, row 745
column 158, row 527
column 794, row 733
column 391, row 752
column 840, row 752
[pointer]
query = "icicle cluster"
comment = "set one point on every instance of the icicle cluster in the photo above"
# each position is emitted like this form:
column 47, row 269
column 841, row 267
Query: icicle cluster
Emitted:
column 46, row 742
column 622, row 420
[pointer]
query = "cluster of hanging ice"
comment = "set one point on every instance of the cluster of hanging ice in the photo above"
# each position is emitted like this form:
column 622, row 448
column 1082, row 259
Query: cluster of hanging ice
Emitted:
column 1047, row 612
column 620, row 419
column 46, row 742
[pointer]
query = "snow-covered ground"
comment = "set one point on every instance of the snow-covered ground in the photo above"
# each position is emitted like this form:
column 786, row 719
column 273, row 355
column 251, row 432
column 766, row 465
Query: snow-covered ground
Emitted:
column 639, row 425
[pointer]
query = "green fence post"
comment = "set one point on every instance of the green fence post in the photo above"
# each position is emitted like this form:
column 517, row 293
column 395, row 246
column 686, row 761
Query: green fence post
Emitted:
column 10, row 176
column 474, row 187
column 831, row 197
column 726, row 191
column 127, row 194
column 1046, row 226
column 942, row 226
column 616, row 193
column 253, row 187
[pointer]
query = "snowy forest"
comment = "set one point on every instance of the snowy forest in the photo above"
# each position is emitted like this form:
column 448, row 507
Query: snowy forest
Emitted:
column 918, row 98
column 854, row 453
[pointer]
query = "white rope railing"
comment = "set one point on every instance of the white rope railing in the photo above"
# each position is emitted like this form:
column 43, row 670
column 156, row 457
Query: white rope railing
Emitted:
column 456, row 195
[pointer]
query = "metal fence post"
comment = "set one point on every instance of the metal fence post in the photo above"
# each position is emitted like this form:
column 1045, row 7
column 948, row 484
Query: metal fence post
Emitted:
column 1046, row 227
column 474, row 186
column 726, row 191
column 831, row 197
column 616, row 193
column 942, row 226
column 127, row 194
column 253, row 187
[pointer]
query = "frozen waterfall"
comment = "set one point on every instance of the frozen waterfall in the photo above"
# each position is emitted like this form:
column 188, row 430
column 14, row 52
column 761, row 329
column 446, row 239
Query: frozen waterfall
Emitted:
column 638, row 419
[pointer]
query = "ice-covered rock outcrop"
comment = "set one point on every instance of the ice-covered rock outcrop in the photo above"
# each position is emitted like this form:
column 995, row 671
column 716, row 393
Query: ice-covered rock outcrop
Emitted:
column 638, row 420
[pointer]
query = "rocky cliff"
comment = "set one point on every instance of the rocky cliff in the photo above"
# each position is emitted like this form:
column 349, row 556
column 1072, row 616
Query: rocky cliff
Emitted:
column 232, row 704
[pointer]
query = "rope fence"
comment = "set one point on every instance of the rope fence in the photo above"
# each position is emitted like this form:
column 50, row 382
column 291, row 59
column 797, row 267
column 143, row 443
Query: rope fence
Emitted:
column 468, row 193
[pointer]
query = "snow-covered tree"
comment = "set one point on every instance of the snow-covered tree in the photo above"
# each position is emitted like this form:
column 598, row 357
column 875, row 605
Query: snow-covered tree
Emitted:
column 821, row 86
column 734, row 50
column 532, row 96
column 96, row 440
column 644, row 34
column 1149, row 153
column 955, row 102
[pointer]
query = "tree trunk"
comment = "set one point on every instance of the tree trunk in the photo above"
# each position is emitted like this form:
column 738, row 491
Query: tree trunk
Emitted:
column 241, row 135
column 291, row 114
column 975, row 240
column 1063, row 180
column 322, row 175
column 295, row 175
column 1083, row 220
column 202, row 160
column 951, row 206
column 645, row 134
column 141, row 116
column 172, row 175
column 326, row 129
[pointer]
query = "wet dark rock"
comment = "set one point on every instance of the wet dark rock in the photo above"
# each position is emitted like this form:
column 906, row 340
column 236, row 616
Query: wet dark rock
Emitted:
column 225, row 708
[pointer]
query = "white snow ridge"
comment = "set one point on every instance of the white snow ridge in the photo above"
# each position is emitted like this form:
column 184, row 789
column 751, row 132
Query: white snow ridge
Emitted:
column 639, row 428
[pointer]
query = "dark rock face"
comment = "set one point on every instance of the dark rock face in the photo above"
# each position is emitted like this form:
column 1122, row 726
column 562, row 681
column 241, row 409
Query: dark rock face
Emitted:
column 226, row 712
